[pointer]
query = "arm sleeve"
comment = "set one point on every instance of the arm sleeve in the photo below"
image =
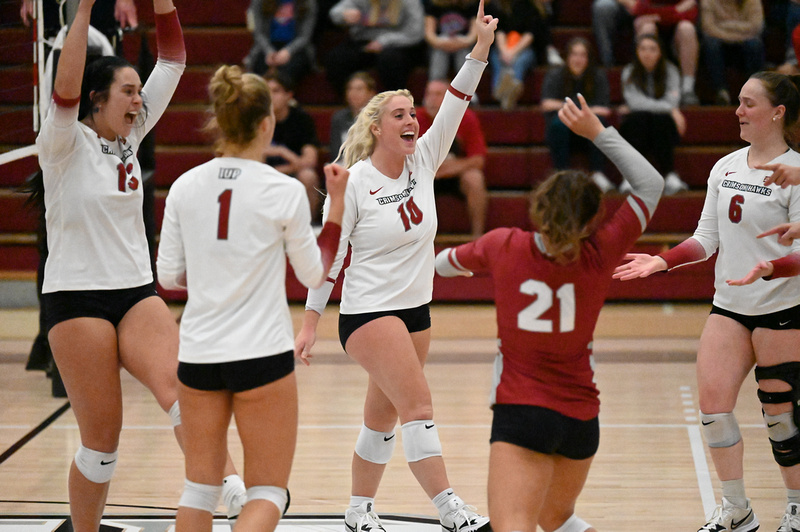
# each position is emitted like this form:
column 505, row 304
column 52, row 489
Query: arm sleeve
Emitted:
column 163, row 81
column 787, row 266
column 307, row 257
column 305, row 30
column 639, row 101
column 171, row 262
column 645, row 180
column 261, row 34
column 447, row 264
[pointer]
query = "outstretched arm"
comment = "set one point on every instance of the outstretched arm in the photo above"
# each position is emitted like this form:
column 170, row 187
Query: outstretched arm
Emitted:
column 67, row 85
column 485, row 26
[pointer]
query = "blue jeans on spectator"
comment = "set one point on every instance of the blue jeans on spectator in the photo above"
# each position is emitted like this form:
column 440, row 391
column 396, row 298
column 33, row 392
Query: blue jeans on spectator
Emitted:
column 607, row 17
column 714, row 51
column 521, row 65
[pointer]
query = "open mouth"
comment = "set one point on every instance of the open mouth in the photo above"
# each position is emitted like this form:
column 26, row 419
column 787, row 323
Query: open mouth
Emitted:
column 130, row 118
column 408, row 136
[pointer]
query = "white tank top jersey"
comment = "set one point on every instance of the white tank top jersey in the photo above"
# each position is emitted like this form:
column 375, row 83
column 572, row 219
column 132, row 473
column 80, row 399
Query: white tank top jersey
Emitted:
column 737, row 208
column 229, row 224
column 93, row 196
column 390, row 223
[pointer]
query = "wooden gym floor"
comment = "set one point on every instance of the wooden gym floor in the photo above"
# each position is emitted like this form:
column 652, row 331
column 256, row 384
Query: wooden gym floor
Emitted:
column 651, row 471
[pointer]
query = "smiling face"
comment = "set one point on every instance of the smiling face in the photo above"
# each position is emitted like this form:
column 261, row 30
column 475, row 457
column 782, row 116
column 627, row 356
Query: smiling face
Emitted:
column 118, row 114
column 756, row 112
column 649, row 52
column 397, row 128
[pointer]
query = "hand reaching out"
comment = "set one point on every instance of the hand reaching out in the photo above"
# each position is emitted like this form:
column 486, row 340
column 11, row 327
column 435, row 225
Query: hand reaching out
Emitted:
column 641, row 265
column 763, row 269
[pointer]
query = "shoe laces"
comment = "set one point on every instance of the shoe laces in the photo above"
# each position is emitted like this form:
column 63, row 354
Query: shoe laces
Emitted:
column 790, row 520
column 369, row 521
column 463, row 514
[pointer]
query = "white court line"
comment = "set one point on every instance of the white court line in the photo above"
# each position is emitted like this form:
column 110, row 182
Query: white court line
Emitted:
column 701, row 470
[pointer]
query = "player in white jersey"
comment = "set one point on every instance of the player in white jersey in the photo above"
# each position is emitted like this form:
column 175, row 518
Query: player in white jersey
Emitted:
column 236, row 348
column 753, row 320
column 101, row 307
column 384, row 321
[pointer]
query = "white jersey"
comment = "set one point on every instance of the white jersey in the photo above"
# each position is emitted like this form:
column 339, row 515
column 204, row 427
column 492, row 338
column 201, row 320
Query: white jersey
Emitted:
column 93, row 196
column 737, row 208
column 390, row 223
column 229, row 225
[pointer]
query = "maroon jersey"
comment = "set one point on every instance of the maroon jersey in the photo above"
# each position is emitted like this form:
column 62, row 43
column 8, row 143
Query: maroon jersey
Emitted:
column 546, row 311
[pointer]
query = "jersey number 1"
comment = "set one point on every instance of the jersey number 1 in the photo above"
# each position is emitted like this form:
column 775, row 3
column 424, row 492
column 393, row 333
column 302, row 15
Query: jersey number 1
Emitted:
column 529, row 319
column 224, row 201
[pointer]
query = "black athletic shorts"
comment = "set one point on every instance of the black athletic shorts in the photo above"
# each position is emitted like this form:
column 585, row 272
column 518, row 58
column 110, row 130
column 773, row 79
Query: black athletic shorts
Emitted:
column 110, row 305
column 782, row 320
column 416, row 320
column 238, row 376
column 545, row 431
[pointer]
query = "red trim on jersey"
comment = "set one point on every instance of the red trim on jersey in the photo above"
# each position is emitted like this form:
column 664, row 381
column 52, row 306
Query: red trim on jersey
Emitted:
column 328, row 242
column 640, row 202
column 687, row 251
column 65, row 102
column 787, row 266
column 169, row 37
column 458, row 94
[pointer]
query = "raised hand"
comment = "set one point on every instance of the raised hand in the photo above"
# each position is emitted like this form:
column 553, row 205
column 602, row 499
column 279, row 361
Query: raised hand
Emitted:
column 640, row 265
column 581, row 120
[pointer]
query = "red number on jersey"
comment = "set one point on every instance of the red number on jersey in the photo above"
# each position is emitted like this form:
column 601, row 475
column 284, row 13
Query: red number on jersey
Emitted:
column 414, row 213
column 735, row 208
column 224, row 201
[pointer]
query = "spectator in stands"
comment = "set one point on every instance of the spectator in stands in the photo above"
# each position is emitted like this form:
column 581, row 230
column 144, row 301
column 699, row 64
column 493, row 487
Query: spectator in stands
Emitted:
column 651, row 118
column 522, row 22
column 360, row 89
column 580, row 75
column 295, row 145
column 608, row 17
column 792, row 27
column 283, row 32
column 731, row 27
column 467, row 154
column 674, row 21
column 385, row 34
column 108, row 16
column 450, row 34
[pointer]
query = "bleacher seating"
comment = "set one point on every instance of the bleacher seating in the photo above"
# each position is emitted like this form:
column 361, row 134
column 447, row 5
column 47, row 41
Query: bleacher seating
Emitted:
column 517, row 156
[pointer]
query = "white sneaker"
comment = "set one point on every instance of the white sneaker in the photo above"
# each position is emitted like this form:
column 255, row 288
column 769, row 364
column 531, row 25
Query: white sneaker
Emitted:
column 602, row 181
column 463, row 518
column 728, row 517
column 791, row 519
column 362, row 519
column 673, row 184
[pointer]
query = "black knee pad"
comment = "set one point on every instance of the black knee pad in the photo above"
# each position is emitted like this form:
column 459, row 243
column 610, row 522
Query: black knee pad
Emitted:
column 788, row 372
column 787, row 452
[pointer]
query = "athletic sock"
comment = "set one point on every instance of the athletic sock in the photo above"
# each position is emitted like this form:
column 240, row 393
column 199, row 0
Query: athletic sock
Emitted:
column 442, row 501
column 687, row 84
column 356, row 501
column 793, row 496
column 733, row 490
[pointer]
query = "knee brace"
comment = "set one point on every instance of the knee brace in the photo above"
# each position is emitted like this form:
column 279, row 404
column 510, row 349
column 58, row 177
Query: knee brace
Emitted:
column 574, row 524
column 278, row 496
column 784, row 438
column 421, row 440
column 175, row 414
column 200, row 496
column 788, row 372
column 376, row 447
column 720, row 430
column 96, row 466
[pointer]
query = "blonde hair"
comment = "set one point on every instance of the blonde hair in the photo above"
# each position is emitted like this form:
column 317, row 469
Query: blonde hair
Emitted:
column 239, row 102
column 360, row 142
column 563, row 208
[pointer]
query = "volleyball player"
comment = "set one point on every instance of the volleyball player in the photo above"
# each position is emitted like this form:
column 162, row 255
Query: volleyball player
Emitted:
column 384, row 321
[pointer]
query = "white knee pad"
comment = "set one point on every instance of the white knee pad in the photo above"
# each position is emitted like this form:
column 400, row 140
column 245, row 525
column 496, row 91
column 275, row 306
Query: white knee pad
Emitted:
column 277, row 496
column 573, row 524
column 96, row 466
column 175, row 414
column 421, row 440
column 720, row 430
column 200, row 496
column 376, row 447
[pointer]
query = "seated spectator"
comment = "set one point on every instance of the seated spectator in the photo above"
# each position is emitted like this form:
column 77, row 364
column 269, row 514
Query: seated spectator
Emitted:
column 731, row 27
column 295, row 146
column 512, row 56
column 651, row 119
column 384, row 34
column 283, row 31
column 792, row 23
column 360, row 90
column 450, row 34
column 581, row 75
column 674, row 21
column 467, row 154
column 608, row 17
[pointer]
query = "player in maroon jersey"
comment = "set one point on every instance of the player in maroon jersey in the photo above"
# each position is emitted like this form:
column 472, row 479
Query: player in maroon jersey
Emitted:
column 550, row 286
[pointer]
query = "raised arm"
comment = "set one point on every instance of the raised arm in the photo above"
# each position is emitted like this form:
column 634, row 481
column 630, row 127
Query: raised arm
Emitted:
column 71, row 63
